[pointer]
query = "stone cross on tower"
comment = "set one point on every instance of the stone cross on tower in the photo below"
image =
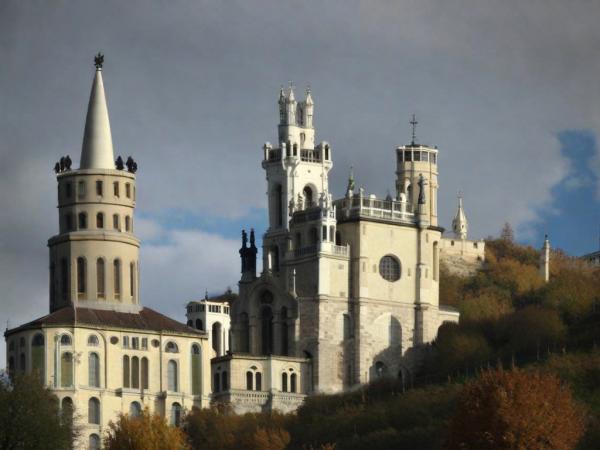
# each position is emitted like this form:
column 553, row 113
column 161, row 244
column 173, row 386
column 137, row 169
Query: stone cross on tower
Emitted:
column 414, row 123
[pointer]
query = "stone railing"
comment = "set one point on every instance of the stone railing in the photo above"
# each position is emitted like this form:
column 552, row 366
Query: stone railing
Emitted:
column 357, row 206
column 322, row 247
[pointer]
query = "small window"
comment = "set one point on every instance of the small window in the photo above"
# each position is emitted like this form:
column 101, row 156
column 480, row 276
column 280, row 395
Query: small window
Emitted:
column 99, row 189
column 81, row 189
column 100, row 220
column 68, row 190
column 135, row 409
column 116, row 188
column 125, row 341
column 82, row 221
column 94, row 411
column 94, row 442
column 258, row 381
column 116, row 221
column 217, row 382
column 127, row 223
column 69, row 221
column 176, row 414
column 93, row 341
column 293, row 382
column 249, row 379
column 389, row 268
column 135, row 343
column 171, row 347
column 224, row 381
column 127, row 190
column 407, row 155
column 65, row 339
column 144, row 343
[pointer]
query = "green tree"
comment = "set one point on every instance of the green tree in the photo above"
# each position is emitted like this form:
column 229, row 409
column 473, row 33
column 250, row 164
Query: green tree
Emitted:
column 146, row 432
column 515, row 410
column 30, row 417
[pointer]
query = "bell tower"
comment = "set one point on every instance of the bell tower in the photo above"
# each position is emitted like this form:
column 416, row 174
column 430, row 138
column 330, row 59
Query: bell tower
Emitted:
column 94, row 258
column 297, row 172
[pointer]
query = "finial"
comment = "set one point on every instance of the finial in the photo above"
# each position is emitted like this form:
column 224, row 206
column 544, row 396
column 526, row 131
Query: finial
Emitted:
column 414, row 123
column 351, row 184
column 308, row 89
column 99, row 61
column 206, row 294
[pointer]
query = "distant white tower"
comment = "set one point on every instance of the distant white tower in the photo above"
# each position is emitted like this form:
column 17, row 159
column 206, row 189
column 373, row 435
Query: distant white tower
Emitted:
column 545, row 260
column 460, row 225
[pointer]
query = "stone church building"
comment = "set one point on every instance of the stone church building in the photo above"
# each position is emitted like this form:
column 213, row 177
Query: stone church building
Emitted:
column 349, row 287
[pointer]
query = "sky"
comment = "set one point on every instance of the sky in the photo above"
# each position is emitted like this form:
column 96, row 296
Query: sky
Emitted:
column 508, row 91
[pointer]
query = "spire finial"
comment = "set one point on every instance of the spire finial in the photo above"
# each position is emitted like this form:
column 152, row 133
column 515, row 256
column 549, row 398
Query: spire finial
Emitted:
column 206, row 294
column 414, row 123
column 99, row 61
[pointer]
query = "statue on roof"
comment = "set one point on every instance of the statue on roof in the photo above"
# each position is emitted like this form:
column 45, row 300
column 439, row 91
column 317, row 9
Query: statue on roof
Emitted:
column 68, row 162
column 99, row 60
column 119, row 163
column 421, row 184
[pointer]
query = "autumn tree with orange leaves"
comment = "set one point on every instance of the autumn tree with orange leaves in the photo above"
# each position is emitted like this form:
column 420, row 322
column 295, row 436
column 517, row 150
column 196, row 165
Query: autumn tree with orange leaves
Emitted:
column 515, row 410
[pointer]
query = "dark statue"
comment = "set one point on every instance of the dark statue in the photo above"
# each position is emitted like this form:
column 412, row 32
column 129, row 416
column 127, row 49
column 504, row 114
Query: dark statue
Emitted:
column 244, row 239
column 421, row 184
column 99, row 60
column 119, row 163
column 68, row 162
column 57, row 167
column 62, row 163
column 131, row 165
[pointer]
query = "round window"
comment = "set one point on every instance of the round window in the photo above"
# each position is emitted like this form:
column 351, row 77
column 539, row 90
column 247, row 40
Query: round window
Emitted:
column 114, row 340
column 389, row 268
column 155, row 343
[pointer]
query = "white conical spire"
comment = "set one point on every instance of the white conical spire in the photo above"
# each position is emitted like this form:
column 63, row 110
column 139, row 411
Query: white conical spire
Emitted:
column 97, row 149
column 459, row 224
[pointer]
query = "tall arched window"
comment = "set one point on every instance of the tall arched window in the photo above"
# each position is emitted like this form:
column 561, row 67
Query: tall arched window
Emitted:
column 93, row 340
column 308, row 197
column 249, row 380
column 284, row 380
column 279, row 205
column 216, row 338
column 293, row 378
column 216, row 382
column 132, row 281
column 81, row 278
column 266, row 316
column 37, row 355
column 172, row 376
column 82, row 217
column 66, row 409
column 126, row 372
column 284, row 331
column 94, row 411
column 116, row 225
column 224, row 380
column 199, row 324
column 258, row 381
column 100, row 220
column 175, row 414
column 196, row 370
column 64, row 279
column 94, row 370
column 135, row 409
column 127, row 223
column 145, row 372
column 65, row 340
column 135, row 372
column 66, row 369
column 171, row 347
column 117, row 278
column 100, row 277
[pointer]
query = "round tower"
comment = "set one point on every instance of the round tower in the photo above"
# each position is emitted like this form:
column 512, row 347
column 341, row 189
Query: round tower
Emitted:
column 94, row 258
column 412, row 162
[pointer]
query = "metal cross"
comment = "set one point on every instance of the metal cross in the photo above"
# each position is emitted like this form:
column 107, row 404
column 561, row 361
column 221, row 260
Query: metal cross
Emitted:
column 414, row 123
column 99, row 60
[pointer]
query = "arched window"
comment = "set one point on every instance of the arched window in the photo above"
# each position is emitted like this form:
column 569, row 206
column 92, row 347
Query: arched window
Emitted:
column 380, row 369
column 145, row 372
column 117, row 278
column 279, row 205
column 135, row 409
column 127, row 190
column 116, row 225
column 389, row 268
column 126, row 372
column 293, row 382
column 65, row 339
column 94, row 370
column 93, row 340
column 172, row 376
column 171, row 347
column 267, row 330
column 347, row 327
column 82, row 217
column 224, row 380
column 99, row 188
column 284, row 382
column 64, row 279
column 94, row 411
column 196, row 370
column 199, row 324
column 216, row 382
column 37, row 355
column 66, row 409
column 116, row 188
column 81, row 277
column 284, row 331
column 69, row 221
column 100, row 278
column 94, row 442
column 66, row 370
column 81, row 189
column 308, row 197
column 249, row 380
column 176, row 414
column 127, row 223
column 135, row 372
column 216, row 338
column 132, row 280
column 258, row 381
column 100, row 220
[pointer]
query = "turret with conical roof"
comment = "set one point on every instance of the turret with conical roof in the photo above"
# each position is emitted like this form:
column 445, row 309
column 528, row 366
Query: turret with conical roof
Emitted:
column 94, row 257
column 459, row 223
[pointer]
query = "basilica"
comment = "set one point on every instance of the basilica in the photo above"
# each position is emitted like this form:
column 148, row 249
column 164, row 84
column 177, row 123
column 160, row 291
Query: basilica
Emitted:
column 348, row 290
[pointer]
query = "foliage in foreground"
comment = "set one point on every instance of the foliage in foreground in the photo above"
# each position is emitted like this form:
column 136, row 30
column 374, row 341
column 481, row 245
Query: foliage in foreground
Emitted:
column 146, row 432
column 515, row 410
column 30, row 418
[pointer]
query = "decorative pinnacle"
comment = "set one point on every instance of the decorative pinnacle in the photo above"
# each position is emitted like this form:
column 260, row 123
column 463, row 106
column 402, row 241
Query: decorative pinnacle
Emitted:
column 99, row 60
column 414, row 123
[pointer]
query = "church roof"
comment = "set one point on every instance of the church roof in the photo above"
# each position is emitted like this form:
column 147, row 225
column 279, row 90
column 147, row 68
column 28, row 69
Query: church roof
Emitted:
column 147, row 320
column 97, row 149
